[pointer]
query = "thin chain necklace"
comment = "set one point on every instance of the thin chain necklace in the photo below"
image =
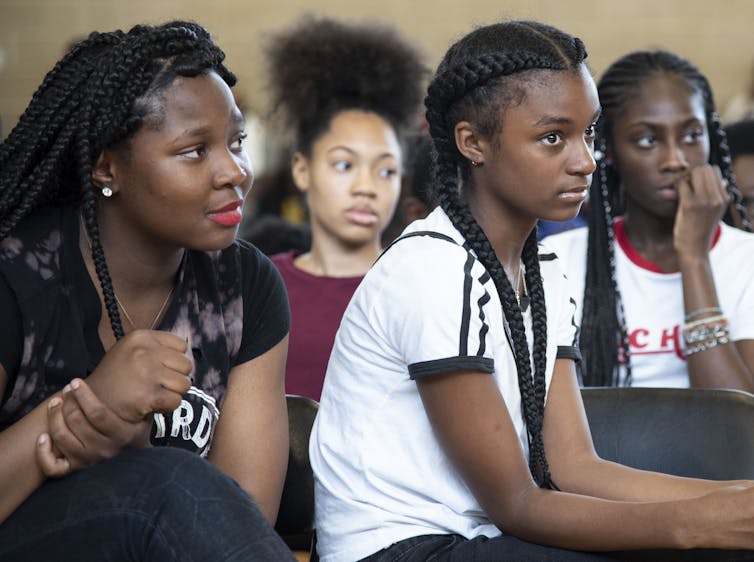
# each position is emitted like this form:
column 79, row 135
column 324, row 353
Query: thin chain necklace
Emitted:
column 516, row 288
column 117, row 300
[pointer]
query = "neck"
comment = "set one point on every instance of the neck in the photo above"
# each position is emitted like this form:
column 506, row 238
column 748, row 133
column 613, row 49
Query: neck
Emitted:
column 507, row 231
column 331, row 258
column 648, row 233
column 136, row 264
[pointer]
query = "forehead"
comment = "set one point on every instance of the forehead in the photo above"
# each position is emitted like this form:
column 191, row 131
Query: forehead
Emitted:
column 664, row 98
column 361, row 131
column 555, row 96
column 193, row 101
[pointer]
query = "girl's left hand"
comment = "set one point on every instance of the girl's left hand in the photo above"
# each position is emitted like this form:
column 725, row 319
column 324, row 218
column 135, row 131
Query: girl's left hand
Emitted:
column 702, row 200
column 84, row 431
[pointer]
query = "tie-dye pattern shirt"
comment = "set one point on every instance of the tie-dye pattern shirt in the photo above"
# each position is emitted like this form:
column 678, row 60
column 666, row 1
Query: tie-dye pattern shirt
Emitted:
column 231, row 306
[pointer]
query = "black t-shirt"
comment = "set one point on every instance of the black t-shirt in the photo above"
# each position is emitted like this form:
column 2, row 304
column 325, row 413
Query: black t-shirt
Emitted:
column 230, row 305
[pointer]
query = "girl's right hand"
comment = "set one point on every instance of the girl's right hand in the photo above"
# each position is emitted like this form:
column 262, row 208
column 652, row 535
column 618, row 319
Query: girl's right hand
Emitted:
column 147, row 371
column 83, row 431
column 702, row 201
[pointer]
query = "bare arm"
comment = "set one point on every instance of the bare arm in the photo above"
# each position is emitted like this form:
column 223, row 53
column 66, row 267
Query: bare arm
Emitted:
column 250, row 442
column 577, row 468
column 19, row 474
column 472, row 423
column 702, row 201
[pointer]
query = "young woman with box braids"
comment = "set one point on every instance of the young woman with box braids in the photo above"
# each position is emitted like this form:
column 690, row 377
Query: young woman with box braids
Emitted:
column 138, row 336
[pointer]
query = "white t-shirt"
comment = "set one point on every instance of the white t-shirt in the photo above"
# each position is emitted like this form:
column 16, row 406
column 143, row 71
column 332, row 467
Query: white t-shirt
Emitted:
column 653, row 300
column 426, row 307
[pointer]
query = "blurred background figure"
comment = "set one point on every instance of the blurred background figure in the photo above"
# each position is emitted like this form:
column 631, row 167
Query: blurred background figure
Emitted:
column 348, row 94
column 741, row 143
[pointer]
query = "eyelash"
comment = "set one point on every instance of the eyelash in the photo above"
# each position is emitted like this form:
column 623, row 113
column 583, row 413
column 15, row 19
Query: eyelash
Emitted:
column 200, row 150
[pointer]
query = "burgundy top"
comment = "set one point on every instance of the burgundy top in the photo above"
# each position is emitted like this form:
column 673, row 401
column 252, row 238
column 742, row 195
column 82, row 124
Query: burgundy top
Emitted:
column 317, row 305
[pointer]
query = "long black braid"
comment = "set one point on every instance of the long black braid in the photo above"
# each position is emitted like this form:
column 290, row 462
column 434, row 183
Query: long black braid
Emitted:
column 99, row 94
column 479, row 76
column 604, row 336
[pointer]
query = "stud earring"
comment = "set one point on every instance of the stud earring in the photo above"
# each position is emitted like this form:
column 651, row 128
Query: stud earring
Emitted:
column 475, row 163
column 107, row 191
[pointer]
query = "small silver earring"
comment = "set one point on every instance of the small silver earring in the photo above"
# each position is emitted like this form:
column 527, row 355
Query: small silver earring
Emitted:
column 107, row 191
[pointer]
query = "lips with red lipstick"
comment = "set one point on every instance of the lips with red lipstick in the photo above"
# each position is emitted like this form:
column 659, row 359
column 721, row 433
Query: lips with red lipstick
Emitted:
column 362, row 216
column 229, row 215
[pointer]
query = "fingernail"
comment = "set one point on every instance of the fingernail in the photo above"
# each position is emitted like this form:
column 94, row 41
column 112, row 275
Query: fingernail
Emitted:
column 55, row 402
column 42, row 439
column 66, row 388
column 75, row 383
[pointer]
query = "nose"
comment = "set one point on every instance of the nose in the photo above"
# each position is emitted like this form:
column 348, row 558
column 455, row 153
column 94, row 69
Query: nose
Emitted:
column 582, row 161
column 674, row 158
column 364, row 183
column 233, row 170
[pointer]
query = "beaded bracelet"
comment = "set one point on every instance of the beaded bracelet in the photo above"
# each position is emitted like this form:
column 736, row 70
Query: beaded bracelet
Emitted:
column 700, row 311
column 688, row 351
column 718, row 331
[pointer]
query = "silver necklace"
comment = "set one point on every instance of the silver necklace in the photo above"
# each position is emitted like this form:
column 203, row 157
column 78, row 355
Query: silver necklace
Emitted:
column 117, row 300
column 517, row 287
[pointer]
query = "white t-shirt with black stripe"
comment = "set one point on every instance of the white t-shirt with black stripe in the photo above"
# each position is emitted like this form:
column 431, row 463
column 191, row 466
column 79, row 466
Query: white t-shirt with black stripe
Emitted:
column 427, row 307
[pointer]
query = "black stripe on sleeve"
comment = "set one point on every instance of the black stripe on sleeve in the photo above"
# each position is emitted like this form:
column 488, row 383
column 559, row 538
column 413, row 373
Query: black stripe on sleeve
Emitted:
column 450, row 364
column 463, row 346
column 484, row 327
column 568, row 352
column 548, row 257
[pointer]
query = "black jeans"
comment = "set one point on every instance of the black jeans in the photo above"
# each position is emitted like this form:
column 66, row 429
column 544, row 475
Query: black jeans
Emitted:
column 454, row 548
column 158, row 504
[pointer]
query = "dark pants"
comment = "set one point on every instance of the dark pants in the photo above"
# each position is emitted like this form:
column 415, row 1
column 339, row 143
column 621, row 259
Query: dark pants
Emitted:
column 160, row 504
column 454, row 548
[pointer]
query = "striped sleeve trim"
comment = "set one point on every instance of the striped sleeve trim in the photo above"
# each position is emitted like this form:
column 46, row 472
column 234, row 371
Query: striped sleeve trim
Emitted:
column 568, row 352
column 450, row 364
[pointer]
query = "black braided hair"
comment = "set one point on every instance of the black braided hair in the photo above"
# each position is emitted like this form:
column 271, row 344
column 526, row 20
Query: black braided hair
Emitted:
column 604, row 336
column 479, row 76
column 99, row 94
column 321, row 67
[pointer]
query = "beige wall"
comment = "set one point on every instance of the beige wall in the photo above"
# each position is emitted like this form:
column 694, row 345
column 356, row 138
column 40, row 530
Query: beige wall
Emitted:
column 717, row 35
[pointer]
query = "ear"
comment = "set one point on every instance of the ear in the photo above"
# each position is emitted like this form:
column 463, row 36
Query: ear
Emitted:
column 301, row 172
column 469, row 143
column 103, row 171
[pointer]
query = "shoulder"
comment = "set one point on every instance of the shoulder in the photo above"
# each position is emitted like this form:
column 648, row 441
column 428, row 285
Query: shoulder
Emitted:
column 566, row 243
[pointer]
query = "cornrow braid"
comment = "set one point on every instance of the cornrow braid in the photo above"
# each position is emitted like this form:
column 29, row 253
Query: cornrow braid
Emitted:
column 604, row 342
column 492, row 60
column 99, row 94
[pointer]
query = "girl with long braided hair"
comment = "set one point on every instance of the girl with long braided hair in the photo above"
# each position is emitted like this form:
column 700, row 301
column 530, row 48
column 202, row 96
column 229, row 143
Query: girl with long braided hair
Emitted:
column 664, row 289
column 451, row 425
column 137, row 335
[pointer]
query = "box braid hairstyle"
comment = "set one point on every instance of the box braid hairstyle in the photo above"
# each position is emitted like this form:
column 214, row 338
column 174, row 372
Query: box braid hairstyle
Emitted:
column 99, row 94
column 605, row 345
column 321, row 67
column 479, row 76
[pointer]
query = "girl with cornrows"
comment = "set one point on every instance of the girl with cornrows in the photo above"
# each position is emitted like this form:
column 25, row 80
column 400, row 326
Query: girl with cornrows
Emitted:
column 348, row 92
column 665, row 290
column 451, row 425
column 137, row 335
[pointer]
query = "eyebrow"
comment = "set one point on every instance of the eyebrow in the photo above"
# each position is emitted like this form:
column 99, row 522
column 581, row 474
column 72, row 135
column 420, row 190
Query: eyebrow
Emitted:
column 654, row 124
column 353, row 152
column 549, row 120
column 238, row 119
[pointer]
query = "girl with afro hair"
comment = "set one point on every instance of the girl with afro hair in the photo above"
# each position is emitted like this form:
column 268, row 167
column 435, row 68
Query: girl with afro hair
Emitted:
column 348, row 93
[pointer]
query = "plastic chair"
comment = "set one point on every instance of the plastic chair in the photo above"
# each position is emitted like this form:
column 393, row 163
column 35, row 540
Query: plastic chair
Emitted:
column 701, row 433
column 295, row 522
